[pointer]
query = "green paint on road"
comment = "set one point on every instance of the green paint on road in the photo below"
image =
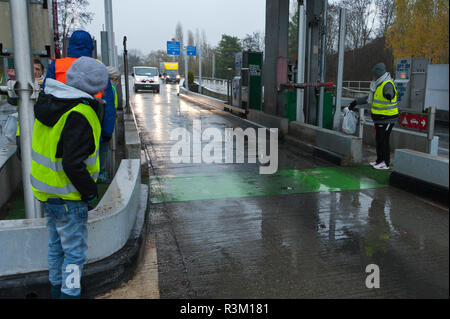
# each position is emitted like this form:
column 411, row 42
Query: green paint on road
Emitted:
column 178, row 188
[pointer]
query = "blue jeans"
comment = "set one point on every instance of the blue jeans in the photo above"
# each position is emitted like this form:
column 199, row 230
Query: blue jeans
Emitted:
column 67, row 243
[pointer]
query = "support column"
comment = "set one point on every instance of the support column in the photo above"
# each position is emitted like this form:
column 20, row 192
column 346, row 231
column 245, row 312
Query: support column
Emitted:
column 276, row 54
column 340, row 71
column 300, row 115
column 313, row 12
column 110, row 31
column 20, row 28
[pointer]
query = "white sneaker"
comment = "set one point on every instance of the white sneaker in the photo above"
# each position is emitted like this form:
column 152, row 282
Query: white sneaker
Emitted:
column 373, row 163
column 382, row 165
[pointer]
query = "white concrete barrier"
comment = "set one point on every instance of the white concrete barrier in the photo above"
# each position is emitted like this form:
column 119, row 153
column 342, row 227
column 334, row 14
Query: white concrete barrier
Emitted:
column 23, row 243
column 349, row 147
column 10, row 170
column 422, row 166
column 402, row 139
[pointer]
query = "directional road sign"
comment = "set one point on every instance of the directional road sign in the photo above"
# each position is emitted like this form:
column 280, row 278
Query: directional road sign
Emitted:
column 173, row 47
column 191, row 51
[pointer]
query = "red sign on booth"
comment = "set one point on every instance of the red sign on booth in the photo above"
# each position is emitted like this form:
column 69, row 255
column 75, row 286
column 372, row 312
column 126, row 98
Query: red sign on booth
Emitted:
column 414, row 121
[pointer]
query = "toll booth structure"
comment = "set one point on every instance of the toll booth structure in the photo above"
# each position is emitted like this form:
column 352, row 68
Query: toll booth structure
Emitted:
column 247, row 83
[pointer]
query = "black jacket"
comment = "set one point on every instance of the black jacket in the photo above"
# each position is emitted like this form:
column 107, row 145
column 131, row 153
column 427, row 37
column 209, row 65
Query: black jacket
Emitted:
column 77, row 139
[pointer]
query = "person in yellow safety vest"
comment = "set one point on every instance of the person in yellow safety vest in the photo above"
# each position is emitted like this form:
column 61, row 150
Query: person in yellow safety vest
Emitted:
column 38, row 70
column 114, row 76
column 382, row 101
column 116, row 102
column 65, row 166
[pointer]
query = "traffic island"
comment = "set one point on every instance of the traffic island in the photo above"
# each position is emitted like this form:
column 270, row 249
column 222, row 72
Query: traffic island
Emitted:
column 422, row 174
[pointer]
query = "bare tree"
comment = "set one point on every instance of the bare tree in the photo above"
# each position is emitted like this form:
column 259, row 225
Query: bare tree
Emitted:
column 332, row 27
column 135, row 58
column 190, row 38
column 72, row 15
column 253, row 42
column 386, row 15
column 154, row 58
column 190, row 42
column 361, row 18
column 179, row 37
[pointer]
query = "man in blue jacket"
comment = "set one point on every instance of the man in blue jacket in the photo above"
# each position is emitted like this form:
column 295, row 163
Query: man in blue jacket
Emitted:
column 81, row 44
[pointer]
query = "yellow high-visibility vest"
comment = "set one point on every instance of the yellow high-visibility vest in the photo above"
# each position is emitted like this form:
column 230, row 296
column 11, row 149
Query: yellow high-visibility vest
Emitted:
column 382, row 106
column 116, row 101
column 48, row 179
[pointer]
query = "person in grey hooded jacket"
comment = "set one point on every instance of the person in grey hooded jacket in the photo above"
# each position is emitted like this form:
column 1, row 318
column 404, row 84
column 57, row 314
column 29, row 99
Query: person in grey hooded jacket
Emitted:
column 382, row 101
column 65, row 167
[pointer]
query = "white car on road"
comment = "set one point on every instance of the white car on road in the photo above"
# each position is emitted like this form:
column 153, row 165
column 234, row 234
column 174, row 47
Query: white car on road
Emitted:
column 146, row 78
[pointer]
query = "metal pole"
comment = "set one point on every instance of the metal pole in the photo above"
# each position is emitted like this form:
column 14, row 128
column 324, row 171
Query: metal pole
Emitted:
column 323, row 53
column 361, row 123
column 186, row 71
column 125, row 66
column 213, row 65
column 111, row 62
column 340, row 72
column 109, row 30
column 25, row 85
column 200, row 70
column 301, row 59
column 430, row 133
column 55, row 29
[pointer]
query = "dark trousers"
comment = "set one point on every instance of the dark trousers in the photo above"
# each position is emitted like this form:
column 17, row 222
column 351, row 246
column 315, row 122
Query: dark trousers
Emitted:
column 383, row 132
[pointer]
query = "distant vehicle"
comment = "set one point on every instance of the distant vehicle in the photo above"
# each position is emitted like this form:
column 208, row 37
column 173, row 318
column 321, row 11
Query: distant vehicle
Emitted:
column 170, row 72
column 146, row 77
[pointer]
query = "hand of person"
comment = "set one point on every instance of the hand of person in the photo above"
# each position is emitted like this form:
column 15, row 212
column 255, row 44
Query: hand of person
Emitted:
column 90, row 199
column 352, row 105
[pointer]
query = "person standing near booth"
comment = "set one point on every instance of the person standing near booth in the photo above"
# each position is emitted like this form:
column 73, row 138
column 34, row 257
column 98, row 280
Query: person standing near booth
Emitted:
column 384, row 111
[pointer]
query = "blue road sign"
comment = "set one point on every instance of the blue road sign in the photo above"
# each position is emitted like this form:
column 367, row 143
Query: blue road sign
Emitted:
column 173, row 47
column 191, row 51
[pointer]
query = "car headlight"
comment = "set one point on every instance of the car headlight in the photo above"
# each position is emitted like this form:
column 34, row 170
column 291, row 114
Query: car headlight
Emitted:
column 178, row 76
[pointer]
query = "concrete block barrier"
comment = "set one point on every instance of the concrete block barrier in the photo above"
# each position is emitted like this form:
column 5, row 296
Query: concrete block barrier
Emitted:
column 208, row 101
column 402, row 139
column 10, row 171
column 256, row 116
column 132, row 140
column 344, row 149
column 269, row 120
column 421, row 173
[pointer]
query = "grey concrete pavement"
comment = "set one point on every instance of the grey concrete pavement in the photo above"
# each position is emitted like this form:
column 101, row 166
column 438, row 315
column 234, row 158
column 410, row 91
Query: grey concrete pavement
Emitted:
column 284, row 235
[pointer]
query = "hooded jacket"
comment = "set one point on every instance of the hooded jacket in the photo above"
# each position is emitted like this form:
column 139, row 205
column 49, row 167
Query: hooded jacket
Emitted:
column 81, row 44
column 77, row 140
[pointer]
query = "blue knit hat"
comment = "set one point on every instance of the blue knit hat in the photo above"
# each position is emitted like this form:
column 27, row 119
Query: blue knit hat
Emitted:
column 88, row 75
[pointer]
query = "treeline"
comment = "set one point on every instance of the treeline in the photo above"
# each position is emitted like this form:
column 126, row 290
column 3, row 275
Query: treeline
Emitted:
column 381, row 31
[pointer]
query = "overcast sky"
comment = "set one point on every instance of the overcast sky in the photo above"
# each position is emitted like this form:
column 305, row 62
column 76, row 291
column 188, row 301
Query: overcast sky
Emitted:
column 148, row 24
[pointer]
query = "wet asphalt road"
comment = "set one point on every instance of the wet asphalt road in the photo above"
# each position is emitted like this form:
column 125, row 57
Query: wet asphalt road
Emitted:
column 306, row 232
